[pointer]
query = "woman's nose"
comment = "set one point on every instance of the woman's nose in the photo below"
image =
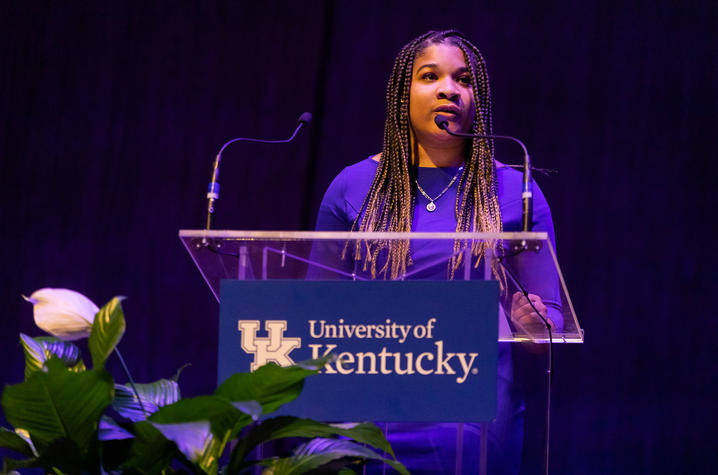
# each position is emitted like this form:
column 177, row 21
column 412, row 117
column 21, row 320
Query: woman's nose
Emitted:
column 448, row 90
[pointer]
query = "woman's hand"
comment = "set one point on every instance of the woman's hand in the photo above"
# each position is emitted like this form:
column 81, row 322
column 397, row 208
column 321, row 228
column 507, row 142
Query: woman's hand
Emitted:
column 524, row 316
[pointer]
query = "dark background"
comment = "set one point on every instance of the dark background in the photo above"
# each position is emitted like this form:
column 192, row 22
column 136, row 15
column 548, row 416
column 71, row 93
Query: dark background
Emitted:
column 111, row 113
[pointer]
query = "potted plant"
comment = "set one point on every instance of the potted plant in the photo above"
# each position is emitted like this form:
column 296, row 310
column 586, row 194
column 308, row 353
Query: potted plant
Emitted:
column 71, row 418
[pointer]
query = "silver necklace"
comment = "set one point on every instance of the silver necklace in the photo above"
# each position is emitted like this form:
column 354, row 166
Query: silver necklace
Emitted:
column 431, row 206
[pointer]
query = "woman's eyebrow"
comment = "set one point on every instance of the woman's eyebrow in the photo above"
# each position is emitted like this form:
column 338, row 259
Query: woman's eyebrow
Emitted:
column 428, row 65
column 461, row 70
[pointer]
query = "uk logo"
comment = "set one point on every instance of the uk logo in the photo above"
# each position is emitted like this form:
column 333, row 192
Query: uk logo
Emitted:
column 274, row 348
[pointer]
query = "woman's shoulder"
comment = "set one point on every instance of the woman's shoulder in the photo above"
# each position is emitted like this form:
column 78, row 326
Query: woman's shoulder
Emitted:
column 510, row 186
column 353, row 181
column 510, row 179
column 344, row 196
column 361, row 168
column 354, row 175
column 508, row 173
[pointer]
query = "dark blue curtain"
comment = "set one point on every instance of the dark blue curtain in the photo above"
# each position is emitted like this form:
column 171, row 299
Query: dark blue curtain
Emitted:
column 111, row 113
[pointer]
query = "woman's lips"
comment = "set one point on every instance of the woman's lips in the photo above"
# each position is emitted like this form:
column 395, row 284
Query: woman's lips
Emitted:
column 448, row 111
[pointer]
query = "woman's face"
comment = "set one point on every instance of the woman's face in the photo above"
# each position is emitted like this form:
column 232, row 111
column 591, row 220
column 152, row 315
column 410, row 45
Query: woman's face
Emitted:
column 440, row 85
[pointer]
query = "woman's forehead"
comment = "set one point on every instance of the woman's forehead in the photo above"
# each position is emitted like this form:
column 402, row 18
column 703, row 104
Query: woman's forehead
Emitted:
column 443, row 55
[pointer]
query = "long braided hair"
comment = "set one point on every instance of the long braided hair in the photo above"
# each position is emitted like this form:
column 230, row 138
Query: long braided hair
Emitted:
column 389, row 204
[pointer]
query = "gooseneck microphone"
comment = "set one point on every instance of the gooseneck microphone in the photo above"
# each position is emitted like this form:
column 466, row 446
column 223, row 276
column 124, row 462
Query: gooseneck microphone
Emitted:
column 213, row 189
column 527, row 189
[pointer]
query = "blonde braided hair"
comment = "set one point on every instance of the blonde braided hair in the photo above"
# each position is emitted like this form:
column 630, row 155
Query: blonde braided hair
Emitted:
column 389, row 204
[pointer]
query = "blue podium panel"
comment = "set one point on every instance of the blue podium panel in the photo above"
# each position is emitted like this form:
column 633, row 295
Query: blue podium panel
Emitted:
column 407, row 350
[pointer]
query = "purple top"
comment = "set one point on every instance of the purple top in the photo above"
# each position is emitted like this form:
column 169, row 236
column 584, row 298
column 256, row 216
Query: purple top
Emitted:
column 345, row 195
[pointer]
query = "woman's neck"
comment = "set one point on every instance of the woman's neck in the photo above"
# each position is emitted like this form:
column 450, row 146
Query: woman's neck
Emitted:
column 437, row 154
column 439, row 157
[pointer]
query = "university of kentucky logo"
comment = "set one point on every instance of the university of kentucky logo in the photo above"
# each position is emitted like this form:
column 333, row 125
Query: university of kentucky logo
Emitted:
column 275, row 348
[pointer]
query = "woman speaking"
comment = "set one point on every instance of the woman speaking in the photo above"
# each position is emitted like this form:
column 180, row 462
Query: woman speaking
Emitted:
column 426, row 180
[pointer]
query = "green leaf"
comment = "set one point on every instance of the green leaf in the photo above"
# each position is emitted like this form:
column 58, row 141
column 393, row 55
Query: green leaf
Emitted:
column 11, row 440
column 108, row 429
column 39, row 350
column 107, row 331
column 286, row 426
column 78, row 368
column 153, row 395
column 175, row 378
column 61, row 456
column 34, row 355
column 127, row 405
column 151, row 452
column 191, row 438
column 162, row 392
column 252, row 408
column 225, row 421
column 59, row 404
column 319, row 452
column 66, row 351
column 364, row 433
column 272, row 386
column 317, row 364
column 221, row 414
column 198, row 428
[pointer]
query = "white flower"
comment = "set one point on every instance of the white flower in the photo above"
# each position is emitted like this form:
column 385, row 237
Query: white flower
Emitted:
column 63, row 313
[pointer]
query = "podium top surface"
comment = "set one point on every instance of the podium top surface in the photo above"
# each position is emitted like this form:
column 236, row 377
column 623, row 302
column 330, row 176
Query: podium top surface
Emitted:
column 330, row 235
column 520, row 261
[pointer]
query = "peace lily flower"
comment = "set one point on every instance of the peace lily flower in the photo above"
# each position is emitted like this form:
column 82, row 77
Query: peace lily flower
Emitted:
column 63, row 313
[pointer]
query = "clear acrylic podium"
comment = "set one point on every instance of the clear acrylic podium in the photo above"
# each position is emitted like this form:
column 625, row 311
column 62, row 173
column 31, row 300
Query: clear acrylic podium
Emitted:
column 280, row 255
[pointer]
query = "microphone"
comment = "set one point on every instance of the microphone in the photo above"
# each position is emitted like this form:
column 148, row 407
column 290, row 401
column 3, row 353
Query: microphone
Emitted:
column 527, row 187
column 213, row 189
column 305, row 118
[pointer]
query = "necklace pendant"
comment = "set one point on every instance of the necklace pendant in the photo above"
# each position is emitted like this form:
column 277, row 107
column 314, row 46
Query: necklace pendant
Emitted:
column 430, row 207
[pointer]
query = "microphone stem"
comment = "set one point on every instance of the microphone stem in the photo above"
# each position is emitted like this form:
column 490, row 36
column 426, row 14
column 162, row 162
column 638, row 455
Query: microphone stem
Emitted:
column 213, row 189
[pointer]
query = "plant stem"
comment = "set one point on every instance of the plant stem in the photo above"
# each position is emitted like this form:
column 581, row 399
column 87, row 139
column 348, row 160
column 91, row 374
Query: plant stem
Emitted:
column 132, row 382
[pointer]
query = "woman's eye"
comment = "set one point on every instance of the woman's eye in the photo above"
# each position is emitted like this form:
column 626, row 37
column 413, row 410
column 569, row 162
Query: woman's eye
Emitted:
column 429, row 76
column 465, row 80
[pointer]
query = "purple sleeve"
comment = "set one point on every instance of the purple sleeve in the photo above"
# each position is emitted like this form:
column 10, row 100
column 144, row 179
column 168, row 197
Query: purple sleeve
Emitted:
column 325, row 257
column 333, row 214
column 536, row 271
